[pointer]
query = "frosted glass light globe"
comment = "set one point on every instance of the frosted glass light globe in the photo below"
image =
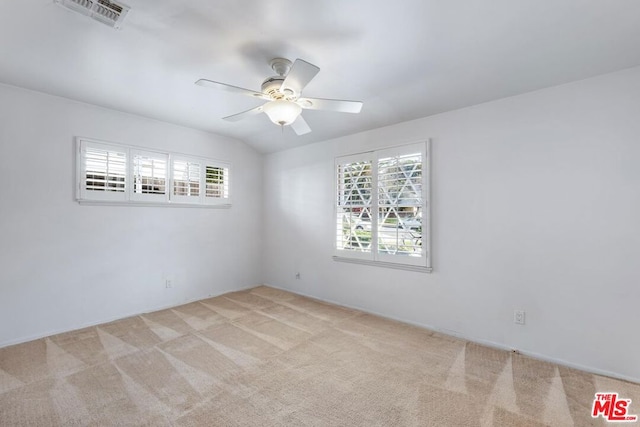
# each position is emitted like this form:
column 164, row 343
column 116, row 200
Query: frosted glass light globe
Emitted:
column 282, row 112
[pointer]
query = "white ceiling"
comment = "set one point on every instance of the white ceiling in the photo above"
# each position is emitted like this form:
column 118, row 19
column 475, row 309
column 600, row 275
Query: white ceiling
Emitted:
column 404, row 59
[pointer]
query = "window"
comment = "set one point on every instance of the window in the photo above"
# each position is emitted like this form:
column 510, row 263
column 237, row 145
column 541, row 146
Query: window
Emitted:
column 217, row 183
column 355, row 188
column 103, row 174
column 186, row 180
column 382, row 208
column 113, row 173
column 149, row 176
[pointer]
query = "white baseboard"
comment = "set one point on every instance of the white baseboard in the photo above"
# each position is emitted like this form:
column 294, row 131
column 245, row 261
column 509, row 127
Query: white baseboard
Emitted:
column 476, row 340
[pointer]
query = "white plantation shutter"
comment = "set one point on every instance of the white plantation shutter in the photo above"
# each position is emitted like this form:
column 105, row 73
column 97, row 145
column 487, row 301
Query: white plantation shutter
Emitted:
column 216, row 183
column 354, row 205
column 150, row 176
column 103, row 172
column 187, row 178
column 197, row 180
column 119, row 174
column 382, row 207
column 401, row 204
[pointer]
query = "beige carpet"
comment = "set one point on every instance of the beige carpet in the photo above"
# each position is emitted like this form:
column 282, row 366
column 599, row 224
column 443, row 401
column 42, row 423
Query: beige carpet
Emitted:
column 264, row 357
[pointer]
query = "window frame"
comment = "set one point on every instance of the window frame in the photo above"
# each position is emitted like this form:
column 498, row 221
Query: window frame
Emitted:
column 128, row 197
column 375, row 256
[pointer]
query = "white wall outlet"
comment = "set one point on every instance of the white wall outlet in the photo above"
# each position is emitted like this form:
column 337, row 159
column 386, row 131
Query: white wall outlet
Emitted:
column 519, row 317
column 168, row 283
column 298, row 276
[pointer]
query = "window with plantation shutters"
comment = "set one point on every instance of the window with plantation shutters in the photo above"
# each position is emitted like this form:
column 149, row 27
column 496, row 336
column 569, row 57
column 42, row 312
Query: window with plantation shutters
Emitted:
column 201, row 180
column 382, row 207
column 150, row 176
column 119, row 174
column 400, row 204
column 354, row 204
column 186, row 180
column 216, row 183
column 103, row 173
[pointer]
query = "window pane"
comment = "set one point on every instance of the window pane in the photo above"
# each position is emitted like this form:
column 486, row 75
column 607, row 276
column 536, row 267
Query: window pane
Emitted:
column 353, row 229
column 186, row 178
column 399, row 205
column 150, row 175
column 105, row 170
column 217, row 182
column 353, row 220
column 354, row 184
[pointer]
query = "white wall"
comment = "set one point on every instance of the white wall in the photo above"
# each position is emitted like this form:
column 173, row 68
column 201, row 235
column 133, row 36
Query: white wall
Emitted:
column 536, row 206
column 63, row 265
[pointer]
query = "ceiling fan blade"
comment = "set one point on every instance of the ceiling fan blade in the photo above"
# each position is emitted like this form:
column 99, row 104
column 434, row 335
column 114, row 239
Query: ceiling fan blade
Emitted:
column 244, row 114
column 339, row 105
column 230, row 88
column 299, row 76
column 300, row 126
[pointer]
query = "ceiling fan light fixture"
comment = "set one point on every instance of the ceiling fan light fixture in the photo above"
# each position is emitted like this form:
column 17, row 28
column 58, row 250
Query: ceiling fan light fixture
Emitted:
column 282, row 112
column 283, row 94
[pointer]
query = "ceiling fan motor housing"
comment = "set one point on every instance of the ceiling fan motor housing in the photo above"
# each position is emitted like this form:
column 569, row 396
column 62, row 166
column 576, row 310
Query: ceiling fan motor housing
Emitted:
column 272, row 85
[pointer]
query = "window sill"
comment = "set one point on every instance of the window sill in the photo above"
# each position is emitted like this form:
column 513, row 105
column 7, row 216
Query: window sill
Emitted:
column 154, row 204
column 384, row 264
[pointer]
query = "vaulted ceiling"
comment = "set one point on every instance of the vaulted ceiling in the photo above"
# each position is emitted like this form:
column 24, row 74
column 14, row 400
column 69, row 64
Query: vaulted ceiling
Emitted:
column 404, row 59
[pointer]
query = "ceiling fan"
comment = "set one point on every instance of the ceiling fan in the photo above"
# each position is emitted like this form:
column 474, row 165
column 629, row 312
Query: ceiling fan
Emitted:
column 283, row 94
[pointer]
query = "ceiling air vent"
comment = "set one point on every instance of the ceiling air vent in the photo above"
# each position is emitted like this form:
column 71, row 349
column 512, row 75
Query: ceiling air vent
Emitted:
column 105, row 11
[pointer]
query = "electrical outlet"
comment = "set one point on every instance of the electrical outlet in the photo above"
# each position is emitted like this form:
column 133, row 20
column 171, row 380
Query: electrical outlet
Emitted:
column 298, row 276
column 168, row 283
column 519, row 317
